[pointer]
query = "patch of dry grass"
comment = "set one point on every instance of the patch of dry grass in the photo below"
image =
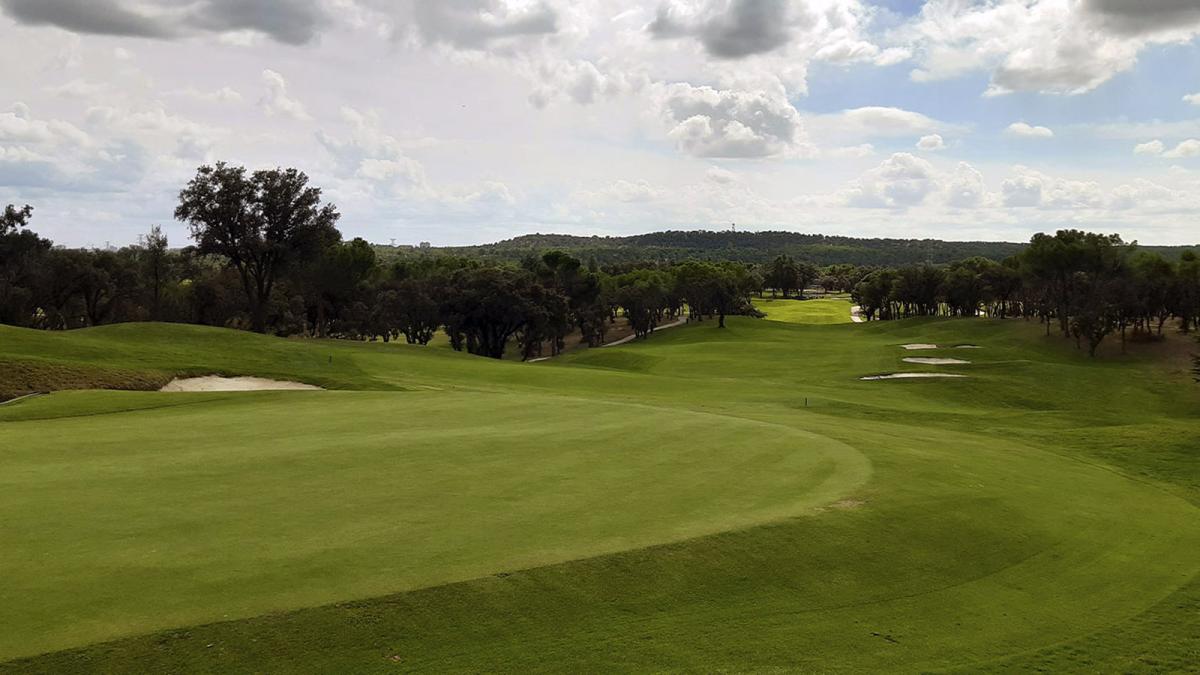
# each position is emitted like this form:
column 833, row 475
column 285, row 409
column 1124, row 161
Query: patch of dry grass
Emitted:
column 18, row 378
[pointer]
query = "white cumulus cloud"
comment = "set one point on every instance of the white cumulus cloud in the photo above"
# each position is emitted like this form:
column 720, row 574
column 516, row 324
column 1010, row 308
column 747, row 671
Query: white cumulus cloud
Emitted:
column 931, row 143
column 1024, row 130
column 708, row 122
column 1154, row 147
column 276, row 101
column 900, row 181
column 1185, row 149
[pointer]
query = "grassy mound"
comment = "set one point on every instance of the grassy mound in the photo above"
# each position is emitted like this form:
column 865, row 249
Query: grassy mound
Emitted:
column 708, row 500
column 20, row 377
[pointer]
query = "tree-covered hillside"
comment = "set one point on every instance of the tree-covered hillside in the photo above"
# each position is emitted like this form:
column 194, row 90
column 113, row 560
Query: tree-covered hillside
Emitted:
column 755, row 247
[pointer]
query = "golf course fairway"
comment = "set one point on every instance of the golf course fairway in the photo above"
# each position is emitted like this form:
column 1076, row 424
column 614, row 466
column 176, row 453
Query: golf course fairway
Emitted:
column 705, row 500
column 815, row 311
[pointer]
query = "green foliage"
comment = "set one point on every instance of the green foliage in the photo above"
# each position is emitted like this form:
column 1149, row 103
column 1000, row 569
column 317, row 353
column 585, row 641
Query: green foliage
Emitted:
column 646, row 296
column 747, row 247
column 785, row 275
column 14, row 219
column 269, row 239
column 22, row 254
column 262, row 223
column 1091, row 285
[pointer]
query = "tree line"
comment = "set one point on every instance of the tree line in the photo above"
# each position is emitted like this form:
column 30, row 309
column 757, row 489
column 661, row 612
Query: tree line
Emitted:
column 757, row 248
column 1086, row 285
column 266, row 255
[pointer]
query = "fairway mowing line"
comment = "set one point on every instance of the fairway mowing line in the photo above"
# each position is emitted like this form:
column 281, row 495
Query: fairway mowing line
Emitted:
column 908, row 596
column 115, row 411
column 391, row 598
column 505, row 574
column 850, row 452
column 841, row 453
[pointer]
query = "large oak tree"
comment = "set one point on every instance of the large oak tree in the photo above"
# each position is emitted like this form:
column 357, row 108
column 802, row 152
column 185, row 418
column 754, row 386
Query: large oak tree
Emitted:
column 261, row 223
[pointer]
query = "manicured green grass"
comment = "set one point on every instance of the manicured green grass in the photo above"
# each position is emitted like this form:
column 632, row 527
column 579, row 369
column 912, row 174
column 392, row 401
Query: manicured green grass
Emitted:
column 815, row 311
column 705, row 500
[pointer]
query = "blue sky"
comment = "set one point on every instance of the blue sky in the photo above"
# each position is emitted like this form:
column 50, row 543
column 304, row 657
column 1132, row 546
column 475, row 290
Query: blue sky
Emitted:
column 476, row 120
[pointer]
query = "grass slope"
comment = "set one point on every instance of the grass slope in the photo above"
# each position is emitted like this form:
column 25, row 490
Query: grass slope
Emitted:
column 669, row 504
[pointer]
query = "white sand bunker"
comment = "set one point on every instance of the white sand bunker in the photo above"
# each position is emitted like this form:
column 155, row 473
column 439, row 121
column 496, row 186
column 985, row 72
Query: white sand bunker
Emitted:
column 919, row 345
column 908, row 376
column 967, row 347
column 930, row 361
column 218, row 383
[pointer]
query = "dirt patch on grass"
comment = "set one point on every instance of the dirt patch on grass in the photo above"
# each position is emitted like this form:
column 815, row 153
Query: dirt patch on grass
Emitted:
column 218, row 383
column 18, row 378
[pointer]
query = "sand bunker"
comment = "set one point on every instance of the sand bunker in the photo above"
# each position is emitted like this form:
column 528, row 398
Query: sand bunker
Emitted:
column 919, row 345
column 966, row 346
column 935, row 361
column 218, row 383
column 907, row 376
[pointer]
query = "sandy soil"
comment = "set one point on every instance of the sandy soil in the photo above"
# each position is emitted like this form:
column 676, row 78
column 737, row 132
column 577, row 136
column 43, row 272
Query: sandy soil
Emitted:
column 907, row 376
column 929, row 361
column 218, row 383
column 919, row 345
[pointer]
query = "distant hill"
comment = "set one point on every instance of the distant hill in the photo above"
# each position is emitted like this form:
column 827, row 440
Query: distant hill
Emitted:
column 757, row 247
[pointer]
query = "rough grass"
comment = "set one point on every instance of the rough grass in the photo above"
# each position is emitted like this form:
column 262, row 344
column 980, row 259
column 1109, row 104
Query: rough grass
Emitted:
column 670, row 504
column 21, row 377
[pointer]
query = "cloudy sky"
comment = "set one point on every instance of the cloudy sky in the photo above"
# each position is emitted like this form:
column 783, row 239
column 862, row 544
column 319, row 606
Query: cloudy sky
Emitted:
column 467, row 121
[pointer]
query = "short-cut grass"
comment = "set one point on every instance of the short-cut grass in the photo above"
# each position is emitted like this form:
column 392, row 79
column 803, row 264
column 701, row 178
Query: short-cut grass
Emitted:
column 704, row 500
column 813, row 311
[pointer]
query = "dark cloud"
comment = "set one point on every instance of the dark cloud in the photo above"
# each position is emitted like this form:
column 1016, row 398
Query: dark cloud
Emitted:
column 288, row 21
column 1145, row 16
column 739, row 28
column 102, row 17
